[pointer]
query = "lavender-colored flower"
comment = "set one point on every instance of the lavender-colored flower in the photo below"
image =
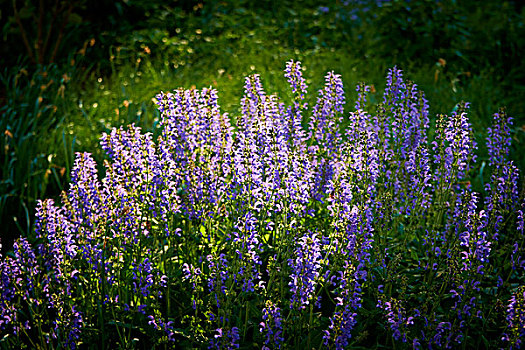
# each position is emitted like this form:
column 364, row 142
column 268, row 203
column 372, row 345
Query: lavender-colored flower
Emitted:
column 26, row 268
column 218, row 275
column 454, row 146
column 503, row 196
column 402, row 126
column 341, row 325
column 395, row 87
column 324, row 130
column 68, row 325
column 232, row 203
column 195, row 146
column 58, row 250
column 362, row 90
column 159, row 324
column 306, row 268
column 10, row 276
column 222, row 339
column 354, row 250
column 135, row 164
column 191, row 274
column 84, row 197
column 327, row 113
column 515, row 317
column 271, row 326
column 474, row 238
column 292, row 127
column 461, row 144
column 144, row 276
column 498, row 139
column 397, row 319
column 245, row 243
column 361, row 149
column 26, row 282
column 517, row 261
column 294, row 75
column 60, row 244
column 252, row 106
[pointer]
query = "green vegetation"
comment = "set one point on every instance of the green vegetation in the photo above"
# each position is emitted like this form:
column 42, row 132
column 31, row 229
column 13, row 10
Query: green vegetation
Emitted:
column 105, row 71
column 432, row 250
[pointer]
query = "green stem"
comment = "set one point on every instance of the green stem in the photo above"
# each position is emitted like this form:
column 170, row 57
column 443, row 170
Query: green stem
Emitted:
column 122, row 339
column 246, row 321
column 310, row 321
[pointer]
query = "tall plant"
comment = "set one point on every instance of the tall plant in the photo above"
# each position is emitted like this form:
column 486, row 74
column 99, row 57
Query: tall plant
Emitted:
column 276, row 235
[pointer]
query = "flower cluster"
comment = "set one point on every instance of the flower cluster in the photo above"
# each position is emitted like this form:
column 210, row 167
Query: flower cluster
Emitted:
column 516, row 319
column 257, row 230
column 498, row 139
column 271, row 326
column 306, row 268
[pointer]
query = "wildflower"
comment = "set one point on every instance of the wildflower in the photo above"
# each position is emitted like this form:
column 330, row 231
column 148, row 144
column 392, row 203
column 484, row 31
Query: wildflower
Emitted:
column 498, row 139
column 305, row 270
column 271, row 326
column 247, row 248
column 327, row 113
column 516, row 319
column 228, row 339
column 293, row 130
column 84, row 196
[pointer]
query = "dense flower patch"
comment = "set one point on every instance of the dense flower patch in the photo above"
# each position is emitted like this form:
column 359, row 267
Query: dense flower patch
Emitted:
column 270, row 233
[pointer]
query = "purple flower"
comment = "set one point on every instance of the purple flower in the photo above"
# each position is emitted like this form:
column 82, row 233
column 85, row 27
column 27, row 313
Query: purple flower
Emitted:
column 27, row 283
column 340, row 328
column 218, row 275
column 353, row 248
column 84, row 195
column 306, row 269
column 195, row 148
column 395, row 87
column 225, row 339
column 59, row 235
column 144, row 275
column 362, row 90
column 498, row 139
column 397, row 319
column 135, row 166
column 271, row 326
column 454, row 146
column 159, row 324
column 245, row 243
column 192, row 274
column 503, row 195
column 327, row 113
column 515, row 317
column 292, row 126
column 474, row 238
column 402, row 127
column 361, row 150
column 324, row 130
column 294, row 75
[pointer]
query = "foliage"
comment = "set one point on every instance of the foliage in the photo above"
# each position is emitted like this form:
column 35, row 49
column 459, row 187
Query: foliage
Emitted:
column 358, row 230
column 469, row 52
column 36, row 149
column 41, row 28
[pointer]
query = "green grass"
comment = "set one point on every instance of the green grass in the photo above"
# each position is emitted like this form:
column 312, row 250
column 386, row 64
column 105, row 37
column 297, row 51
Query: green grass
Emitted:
column 134, row 84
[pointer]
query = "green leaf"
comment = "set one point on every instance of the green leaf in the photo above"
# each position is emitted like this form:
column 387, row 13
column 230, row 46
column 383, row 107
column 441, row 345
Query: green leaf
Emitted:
column 25, row 12
column 413, row 254
column 75, row 18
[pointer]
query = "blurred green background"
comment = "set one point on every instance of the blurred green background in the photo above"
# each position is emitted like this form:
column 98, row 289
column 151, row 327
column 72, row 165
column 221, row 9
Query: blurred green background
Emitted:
column 71, row 70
